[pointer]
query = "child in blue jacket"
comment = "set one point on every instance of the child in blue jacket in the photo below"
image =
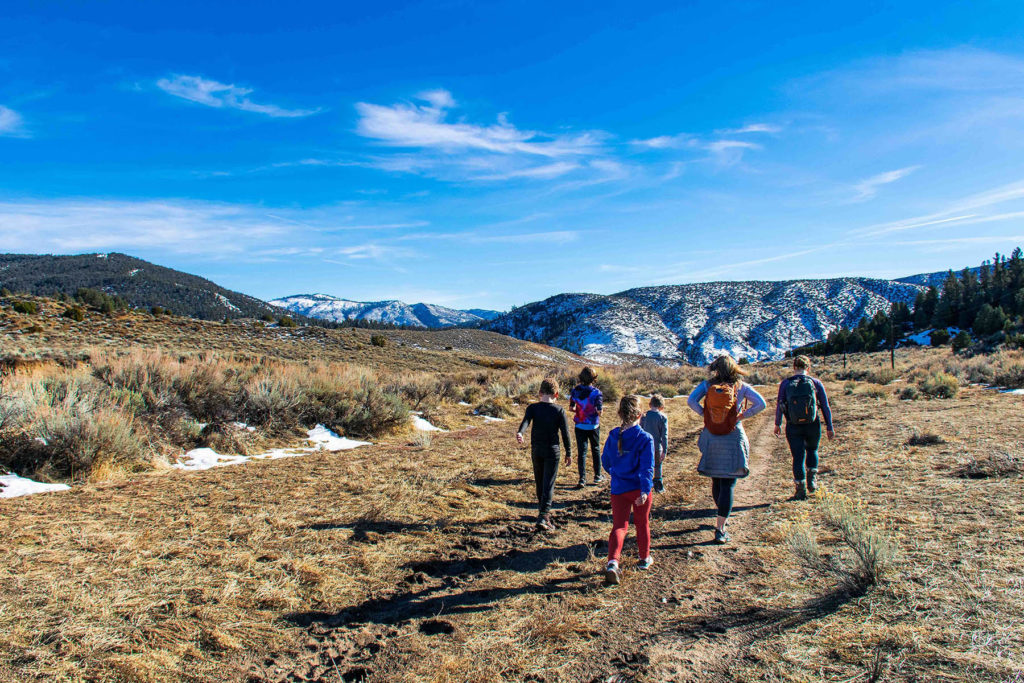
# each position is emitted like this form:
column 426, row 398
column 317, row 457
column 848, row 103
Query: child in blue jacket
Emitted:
column 628, row 457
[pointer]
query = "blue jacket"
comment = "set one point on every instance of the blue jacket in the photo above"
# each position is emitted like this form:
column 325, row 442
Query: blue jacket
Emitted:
column 633, row 469
column 586, row 402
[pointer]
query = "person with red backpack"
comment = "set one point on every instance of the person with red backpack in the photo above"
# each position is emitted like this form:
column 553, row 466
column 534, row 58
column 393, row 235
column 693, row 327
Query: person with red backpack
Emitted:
column 802, row 399
column 724, row 401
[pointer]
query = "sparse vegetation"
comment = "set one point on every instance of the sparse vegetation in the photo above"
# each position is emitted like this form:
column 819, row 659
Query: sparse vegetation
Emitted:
column 25, row 307
column 379, row 340
column 940, row 385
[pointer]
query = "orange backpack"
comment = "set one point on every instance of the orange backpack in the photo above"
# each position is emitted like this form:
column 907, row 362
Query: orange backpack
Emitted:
column 721, row 409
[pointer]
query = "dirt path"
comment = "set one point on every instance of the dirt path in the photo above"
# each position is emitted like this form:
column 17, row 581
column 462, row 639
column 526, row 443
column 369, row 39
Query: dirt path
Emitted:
column 646, row 625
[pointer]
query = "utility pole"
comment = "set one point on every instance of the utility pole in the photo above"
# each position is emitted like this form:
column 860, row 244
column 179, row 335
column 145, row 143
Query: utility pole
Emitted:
column 844, row 353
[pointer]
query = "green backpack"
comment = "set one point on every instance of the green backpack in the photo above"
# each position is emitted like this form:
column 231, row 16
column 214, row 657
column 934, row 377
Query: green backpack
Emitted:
column 801, row 401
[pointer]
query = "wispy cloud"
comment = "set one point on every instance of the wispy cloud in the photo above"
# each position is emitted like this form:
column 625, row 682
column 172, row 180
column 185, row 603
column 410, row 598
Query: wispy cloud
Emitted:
column 223, row 96
column 868, row 188
column 719, row 151
column 456, row 149
column 11, row 123
column 751, row 128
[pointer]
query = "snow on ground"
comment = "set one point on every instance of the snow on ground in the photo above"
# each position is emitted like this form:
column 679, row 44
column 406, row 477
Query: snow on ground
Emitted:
column 321, row 437
column 1019, row 392
column 463, row 403
column 488, row 418
column 13, row 486
column 421, row 425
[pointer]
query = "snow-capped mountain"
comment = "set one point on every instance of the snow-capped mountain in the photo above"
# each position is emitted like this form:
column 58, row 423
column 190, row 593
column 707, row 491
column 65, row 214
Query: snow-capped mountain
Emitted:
column 326, row 307
column 694, row 323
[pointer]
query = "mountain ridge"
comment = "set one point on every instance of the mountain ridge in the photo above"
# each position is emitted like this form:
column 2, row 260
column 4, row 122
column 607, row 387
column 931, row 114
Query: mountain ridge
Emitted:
column 390, row 311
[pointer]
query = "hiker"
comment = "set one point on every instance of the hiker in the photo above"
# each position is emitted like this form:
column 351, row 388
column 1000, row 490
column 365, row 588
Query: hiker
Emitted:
column 586, row 402
column 628, row 457
column 655, row 423
column 549, row 421
column 802, row 399
column 724, row 448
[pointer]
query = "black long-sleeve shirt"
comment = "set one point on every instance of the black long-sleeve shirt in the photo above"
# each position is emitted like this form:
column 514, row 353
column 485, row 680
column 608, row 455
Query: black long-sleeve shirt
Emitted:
column 549, row 421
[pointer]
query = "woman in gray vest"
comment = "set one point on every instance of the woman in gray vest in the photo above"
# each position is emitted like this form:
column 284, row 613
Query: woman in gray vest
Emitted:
column 802, row 399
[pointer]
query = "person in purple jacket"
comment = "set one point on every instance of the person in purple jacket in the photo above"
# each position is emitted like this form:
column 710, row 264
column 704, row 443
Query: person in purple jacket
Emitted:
column 628, row 457
column 802, row 399
column 586, row 403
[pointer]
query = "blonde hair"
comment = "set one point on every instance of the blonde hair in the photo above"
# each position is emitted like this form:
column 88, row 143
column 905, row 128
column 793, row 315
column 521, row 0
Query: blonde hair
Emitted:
column 801, row 362
column 725, row 370
column 629, row 412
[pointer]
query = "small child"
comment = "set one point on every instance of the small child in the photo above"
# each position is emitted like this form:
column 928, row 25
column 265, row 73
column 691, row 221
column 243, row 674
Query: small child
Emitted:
column 655, row 423
column 629, row 458
column 549, row 421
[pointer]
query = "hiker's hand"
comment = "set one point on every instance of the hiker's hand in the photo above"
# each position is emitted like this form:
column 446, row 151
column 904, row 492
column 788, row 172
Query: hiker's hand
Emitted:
column 831, row 434
column 641, row 499
column 778, row 432
column 519, row 437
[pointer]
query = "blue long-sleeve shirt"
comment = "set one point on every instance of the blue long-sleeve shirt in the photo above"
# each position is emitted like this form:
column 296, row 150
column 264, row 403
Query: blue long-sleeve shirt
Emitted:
column 755, row 402
column 633, row 468
column 819, row 394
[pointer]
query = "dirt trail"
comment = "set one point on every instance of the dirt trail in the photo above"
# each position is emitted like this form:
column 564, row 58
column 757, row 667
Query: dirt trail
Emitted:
column 677, row 619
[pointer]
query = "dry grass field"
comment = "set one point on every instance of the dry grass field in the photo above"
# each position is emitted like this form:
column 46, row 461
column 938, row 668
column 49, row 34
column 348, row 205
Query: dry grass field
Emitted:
column 415, row 559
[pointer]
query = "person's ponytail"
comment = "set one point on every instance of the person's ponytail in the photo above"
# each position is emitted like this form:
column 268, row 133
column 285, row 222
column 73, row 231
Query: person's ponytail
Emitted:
column 629, row 412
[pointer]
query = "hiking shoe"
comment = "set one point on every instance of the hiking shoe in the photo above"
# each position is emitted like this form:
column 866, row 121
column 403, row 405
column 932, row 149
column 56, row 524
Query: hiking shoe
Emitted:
column 612, row 575
column 812, row 485
column 645, row 563
column 544, row 524
column 721, row 536
column 598, row 480
column 801, row 491
column 581, row 483
column 658, row 486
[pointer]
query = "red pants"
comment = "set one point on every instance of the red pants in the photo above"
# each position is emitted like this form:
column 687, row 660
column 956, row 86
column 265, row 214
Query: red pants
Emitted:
column 622, row 504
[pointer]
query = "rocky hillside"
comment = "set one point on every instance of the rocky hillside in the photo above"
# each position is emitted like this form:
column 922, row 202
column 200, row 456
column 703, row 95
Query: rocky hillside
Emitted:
column 695, row 322
column 326, row 307
column 140, row 283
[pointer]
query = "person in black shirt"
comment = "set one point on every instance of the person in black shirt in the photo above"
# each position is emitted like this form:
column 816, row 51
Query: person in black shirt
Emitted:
column 549, row 421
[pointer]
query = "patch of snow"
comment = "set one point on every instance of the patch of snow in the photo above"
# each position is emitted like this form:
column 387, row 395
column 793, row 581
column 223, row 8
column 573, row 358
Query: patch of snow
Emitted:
column 1019, row 392
column 13, row 486
column 488, row 418
column 227, row 303
column 463, row 403
column 102, row 255
column 133, row 272
column 321, row 437
column 421, row 425
column 242, row 425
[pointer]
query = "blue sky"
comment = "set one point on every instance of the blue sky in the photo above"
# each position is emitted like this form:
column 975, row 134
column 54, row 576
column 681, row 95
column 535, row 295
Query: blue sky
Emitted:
column 491, row 154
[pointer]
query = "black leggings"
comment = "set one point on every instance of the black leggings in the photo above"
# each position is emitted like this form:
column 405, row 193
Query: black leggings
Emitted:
column 585, row 437
column 721, row 491
column 803, row 444
column 545, row 473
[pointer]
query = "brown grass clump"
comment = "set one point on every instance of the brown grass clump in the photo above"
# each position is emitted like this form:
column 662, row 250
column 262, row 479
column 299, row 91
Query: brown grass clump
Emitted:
column 925, row 439
column 994, row 465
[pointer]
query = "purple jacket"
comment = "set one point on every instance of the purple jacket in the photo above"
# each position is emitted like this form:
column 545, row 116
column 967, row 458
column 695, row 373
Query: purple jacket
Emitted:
column 819, row 394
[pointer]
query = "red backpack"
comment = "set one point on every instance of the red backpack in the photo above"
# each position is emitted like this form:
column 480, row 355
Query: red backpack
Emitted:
column 721, row 409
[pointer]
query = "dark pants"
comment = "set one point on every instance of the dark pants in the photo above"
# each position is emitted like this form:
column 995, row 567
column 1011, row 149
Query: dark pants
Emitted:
column 545, row 473
column 584, row 437
column 721, row 492
column 803, row 444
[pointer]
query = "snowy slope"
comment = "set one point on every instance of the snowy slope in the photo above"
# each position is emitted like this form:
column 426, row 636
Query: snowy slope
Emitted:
column 326, row 307
column 694, row 323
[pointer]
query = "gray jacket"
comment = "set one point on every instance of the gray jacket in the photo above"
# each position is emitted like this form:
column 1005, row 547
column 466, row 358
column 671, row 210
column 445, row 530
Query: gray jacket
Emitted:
column 656, row 424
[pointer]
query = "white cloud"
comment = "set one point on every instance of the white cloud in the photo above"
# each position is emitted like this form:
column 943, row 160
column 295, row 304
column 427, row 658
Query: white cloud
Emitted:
column 11, row 123
column 751, row 128
column 220, row 95
column 868, row 188
column 664, row 142
column 728, row 152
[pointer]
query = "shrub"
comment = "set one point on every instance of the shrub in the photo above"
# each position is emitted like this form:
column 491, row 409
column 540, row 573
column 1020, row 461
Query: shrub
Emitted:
column 1015, row 341
column 883, row 376
column 961, row 341
column 379, row 340
column 286, row 321
column 267, row 318
column 849, row 388
column 496, row 363
column 368, row 412
column 76, row 313
column 865, row 555
column 991, row 466
column 611, row 391
column 925, row 439
column 1011, row 376
column 876, row 392
column 940, row 385
column 4, row 291
column 157, row 311
column 496, row 407
column 940, row 337
column 33, row 329
column 910, row 393
column 423, row 440
column 25, row 307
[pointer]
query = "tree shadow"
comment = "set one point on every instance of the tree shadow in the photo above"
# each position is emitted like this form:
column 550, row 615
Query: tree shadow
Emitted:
column 493, row 481
column 434, row 600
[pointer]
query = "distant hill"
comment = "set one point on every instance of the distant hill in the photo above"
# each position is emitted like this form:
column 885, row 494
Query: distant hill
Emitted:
column 141, row 283
column 932, row 279
column 335, row 309
column 693, row 323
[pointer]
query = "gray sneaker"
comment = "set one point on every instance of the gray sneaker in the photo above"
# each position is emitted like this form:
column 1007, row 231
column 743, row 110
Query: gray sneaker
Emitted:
column 582, row 483
column 612, row 575
column 721, row 536
column 598, row 480
column 645, row 563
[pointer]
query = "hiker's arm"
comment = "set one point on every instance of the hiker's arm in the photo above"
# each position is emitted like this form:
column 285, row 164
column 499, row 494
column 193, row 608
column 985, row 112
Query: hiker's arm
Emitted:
column 647, row 467
column 780, row 402
column 757, row 402
column 693, row 400
column 826, row 409
column 564, row 429
column 527, row 418
column 664, row 438
column 599, row 402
